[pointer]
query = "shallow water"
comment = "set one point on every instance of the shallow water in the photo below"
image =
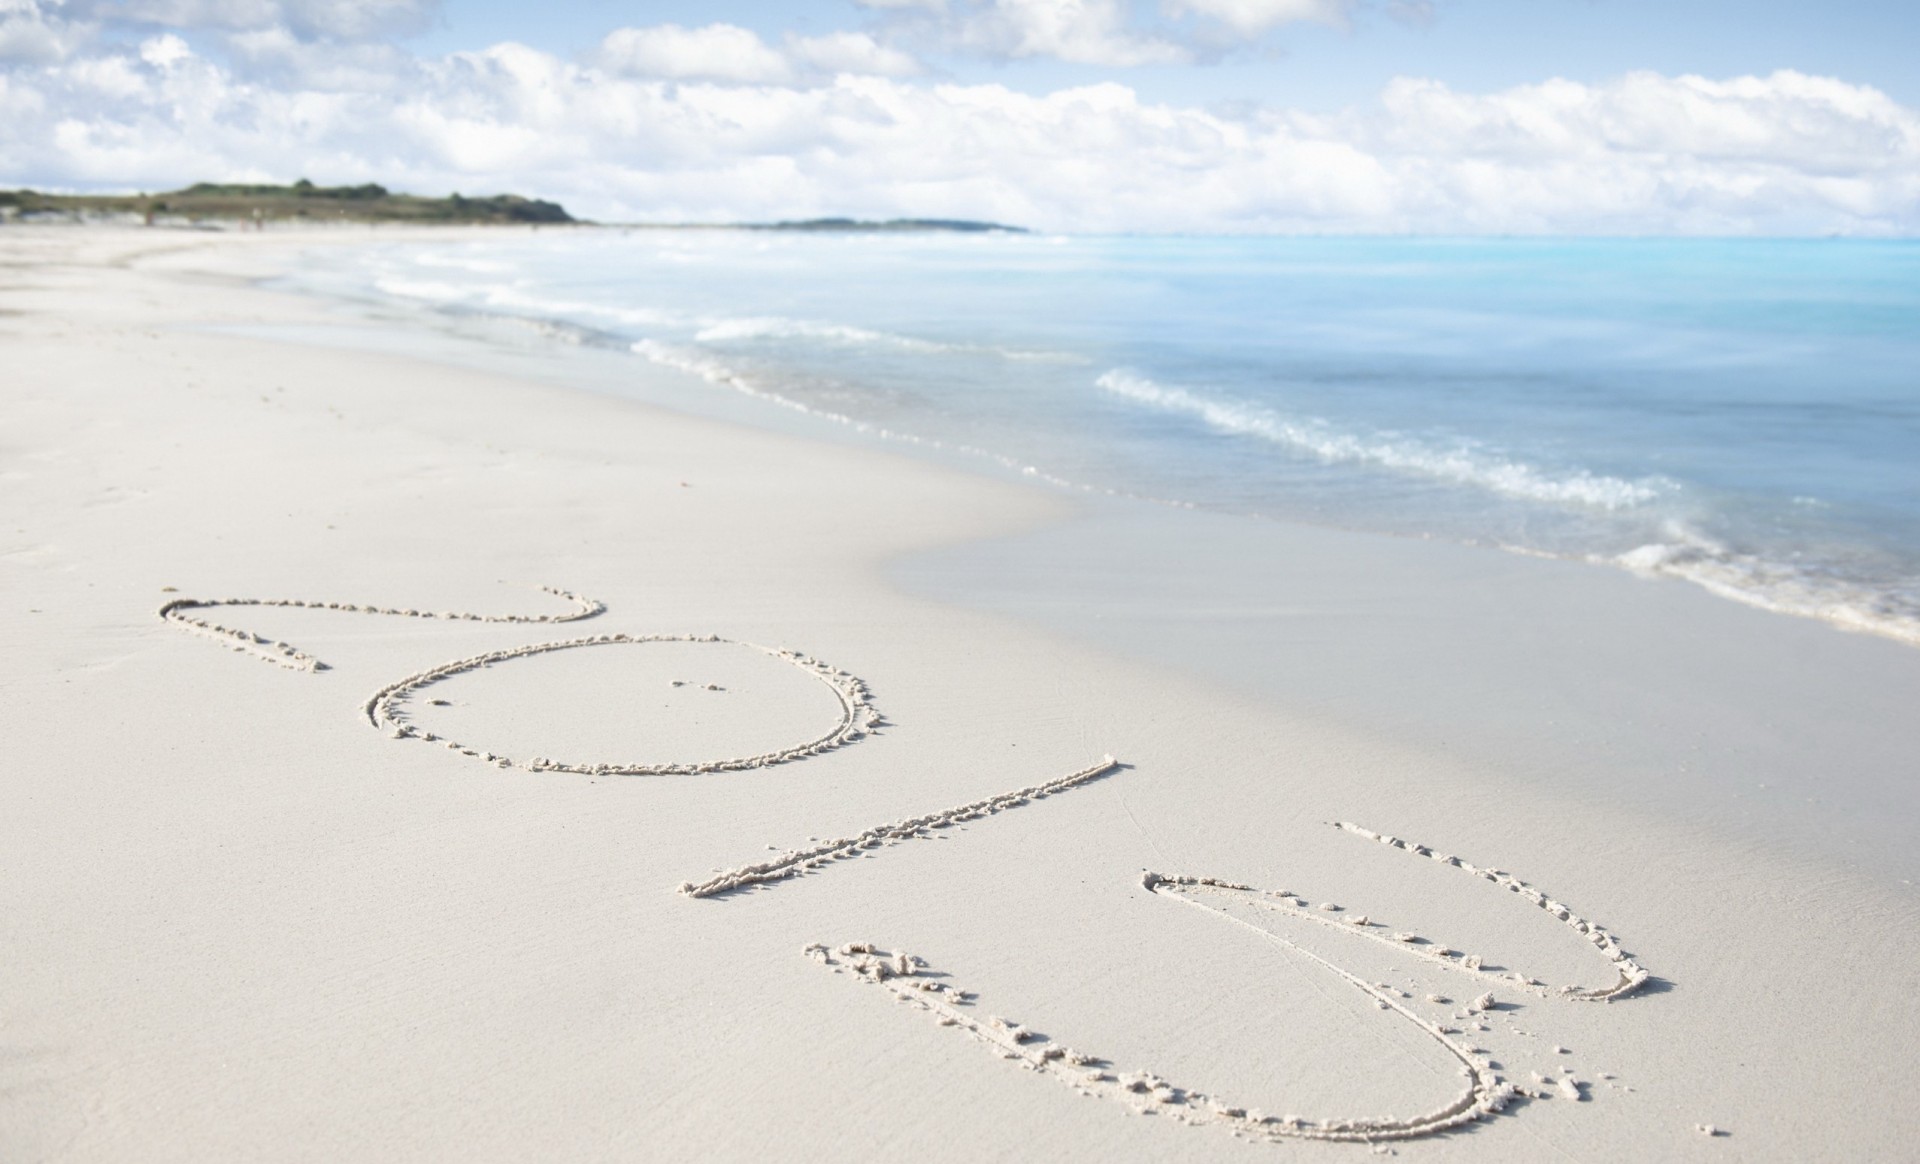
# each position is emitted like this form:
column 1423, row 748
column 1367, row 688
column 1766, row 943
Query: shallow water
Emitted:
column 1743, row 413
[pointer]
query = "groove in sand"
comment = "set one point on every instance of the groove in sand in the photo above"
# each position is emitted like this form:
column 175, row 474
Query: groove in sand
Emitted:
column 796, row 863
column 386, row 708
column 287, row 655
column 1484, row 1093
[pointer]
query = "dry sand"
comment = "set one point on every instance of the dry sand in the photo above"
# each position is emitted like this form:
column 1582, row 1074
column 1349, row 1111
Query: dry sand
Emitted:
column 735, row 913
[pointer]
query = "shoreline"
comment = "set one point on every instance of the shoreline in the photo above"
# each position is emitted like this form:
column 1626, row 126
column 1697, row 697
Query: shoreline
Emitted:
column 246, row 924
column 1776, row 582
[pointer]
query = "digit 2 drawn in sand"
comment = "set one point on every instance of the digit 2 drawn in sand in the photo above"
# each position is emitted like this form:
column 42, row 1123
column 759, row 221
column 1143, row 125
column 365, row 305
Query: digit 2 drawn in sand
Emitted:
column 387, row 707
column 1483, row 1092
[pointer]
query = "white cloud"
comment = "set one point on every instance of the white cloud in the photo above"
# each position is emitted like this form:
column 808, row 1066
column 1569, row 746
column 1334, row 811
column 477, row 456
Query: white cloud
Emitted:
column 344, row 19
column 31, row 31
column 1089, row 32
column 715, row 52
column 164, row 52
column 851, row 52
column 728, row 53
column 1112, row 33
column 1785, row 153
column 1250, row 18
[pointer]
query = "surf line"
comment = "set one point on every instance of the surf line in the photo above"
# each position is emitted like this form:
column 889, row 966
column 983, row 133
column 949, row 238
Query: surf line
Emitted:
column 909, row 979
column 286, row 655
column 799, row 862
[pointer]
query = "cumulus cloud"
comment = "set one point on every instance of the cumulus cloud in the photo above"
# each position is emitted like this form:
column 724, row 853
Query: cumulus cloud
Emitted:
column 851, row 52
column 1250, row 18
column 342, row 19
column 1115, row 33
column 32, row 30
column 728, row 53
column 815, row 127
column 1088, row 32
column 716, row 52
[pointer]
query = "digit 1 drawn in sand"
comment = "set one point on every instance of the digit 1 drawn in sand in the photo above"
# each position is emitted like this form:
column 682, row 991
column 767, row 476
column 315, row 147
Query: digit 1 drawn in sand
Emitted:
column 386, row 708
column 1484, row 1093
column 906, row 977
column 288, row 656
column 794, row 864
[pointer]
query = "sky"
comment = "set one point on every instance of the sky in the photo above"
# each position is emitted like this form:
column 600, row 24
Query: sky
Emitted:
column 1307, row 116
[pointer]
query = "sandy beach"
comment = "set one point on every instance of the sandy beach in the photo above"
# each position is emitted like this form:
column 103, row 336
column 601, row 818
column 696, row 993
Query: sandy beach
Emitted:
column 837, row 803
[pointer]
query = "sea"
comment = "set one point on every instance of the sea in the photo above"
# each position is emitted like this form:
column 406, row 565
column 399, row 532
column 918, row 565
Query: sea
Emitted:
column 1740, row 413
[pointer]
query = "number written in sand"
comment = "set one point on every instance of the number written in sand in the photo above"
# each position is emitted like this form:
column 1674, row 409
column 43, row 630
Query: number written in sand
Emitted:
column 1461, row 1029
column 854, row 718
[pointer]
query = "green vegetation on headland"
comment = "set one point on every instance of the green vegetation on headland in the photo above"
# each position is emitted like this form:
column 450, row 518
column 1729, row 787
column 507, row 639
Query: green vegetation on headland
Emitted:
column 301, row 202
column 216, row 203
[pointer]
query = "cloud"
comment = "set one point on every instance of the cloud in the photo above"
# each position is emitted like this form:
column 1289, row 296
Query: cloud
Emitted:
column 728, row 53
column 813, row 126
column 851, row 52
column 1112, row 33
column 339, row 19
column 1088, row 32
column 716, row 52
column 1251, row 18
column 32, row 31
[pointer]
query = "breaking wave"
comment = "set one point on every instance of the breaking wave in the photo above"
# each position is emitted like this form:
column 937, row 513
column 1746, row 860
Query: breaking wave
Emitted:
column 1459, row 465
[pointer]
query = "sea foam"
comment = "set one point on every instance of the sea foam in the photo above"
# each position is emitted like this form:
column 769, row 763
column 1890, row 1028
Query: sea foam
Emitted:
column 1459, row 465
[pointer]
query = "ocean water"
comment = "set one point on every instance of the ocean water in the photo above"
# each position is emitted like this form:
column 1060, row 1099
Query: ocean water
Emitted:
column 1744, row 414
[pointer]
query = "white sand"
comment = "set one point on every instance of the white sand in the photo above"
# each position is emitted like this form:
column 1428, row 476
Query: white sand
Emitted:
column 239, row 922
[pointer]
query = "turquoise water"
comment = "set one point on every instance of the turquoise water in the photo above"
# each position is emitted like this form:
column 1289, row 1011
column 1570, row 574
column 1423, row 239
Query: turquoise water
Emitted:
column 1745, row 414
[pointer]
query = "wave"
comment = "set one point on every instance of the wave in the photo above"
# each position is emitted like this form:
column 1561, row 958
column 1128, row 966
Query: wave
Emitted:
column 509, row 297
column 1778, row 587
column 1460, row 465
column 722, row 329
column 714, row 370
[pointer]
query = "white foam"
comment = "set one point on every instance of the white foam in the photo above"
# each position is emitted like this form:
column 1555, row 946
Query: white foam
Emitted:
column 1460, row 465
column 1781, row 588
column 775, row 327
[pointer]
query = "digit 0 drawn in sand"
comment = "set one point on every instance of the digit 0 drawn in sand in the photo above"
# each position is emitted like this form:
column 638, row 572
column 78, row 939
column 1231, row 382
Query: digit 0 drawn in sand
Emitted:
column 387, row 707
column 858, row 717
column 1484, row 1092
column 288, row 656
column 798, row 862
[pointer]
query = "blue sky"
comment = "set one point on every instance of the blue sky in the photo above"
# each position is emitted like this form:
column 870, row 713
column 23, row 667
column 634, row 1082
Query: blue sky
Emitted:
column 1316, row 116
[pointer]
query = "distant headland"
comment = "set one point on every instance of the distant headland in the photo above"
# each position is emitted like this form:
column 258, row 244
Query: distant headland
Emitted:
column 225, row 204
column 301, row 202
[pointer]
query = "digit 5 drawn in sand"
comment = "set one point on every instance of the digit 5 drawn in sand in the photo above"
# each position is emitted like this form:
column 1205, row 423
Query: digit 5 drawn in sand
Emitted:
column 1484, row 1090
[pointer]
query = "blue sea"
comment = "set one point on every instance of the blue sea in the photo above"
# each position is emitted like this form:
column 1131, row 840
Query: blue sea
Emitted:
column 1744, row 414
